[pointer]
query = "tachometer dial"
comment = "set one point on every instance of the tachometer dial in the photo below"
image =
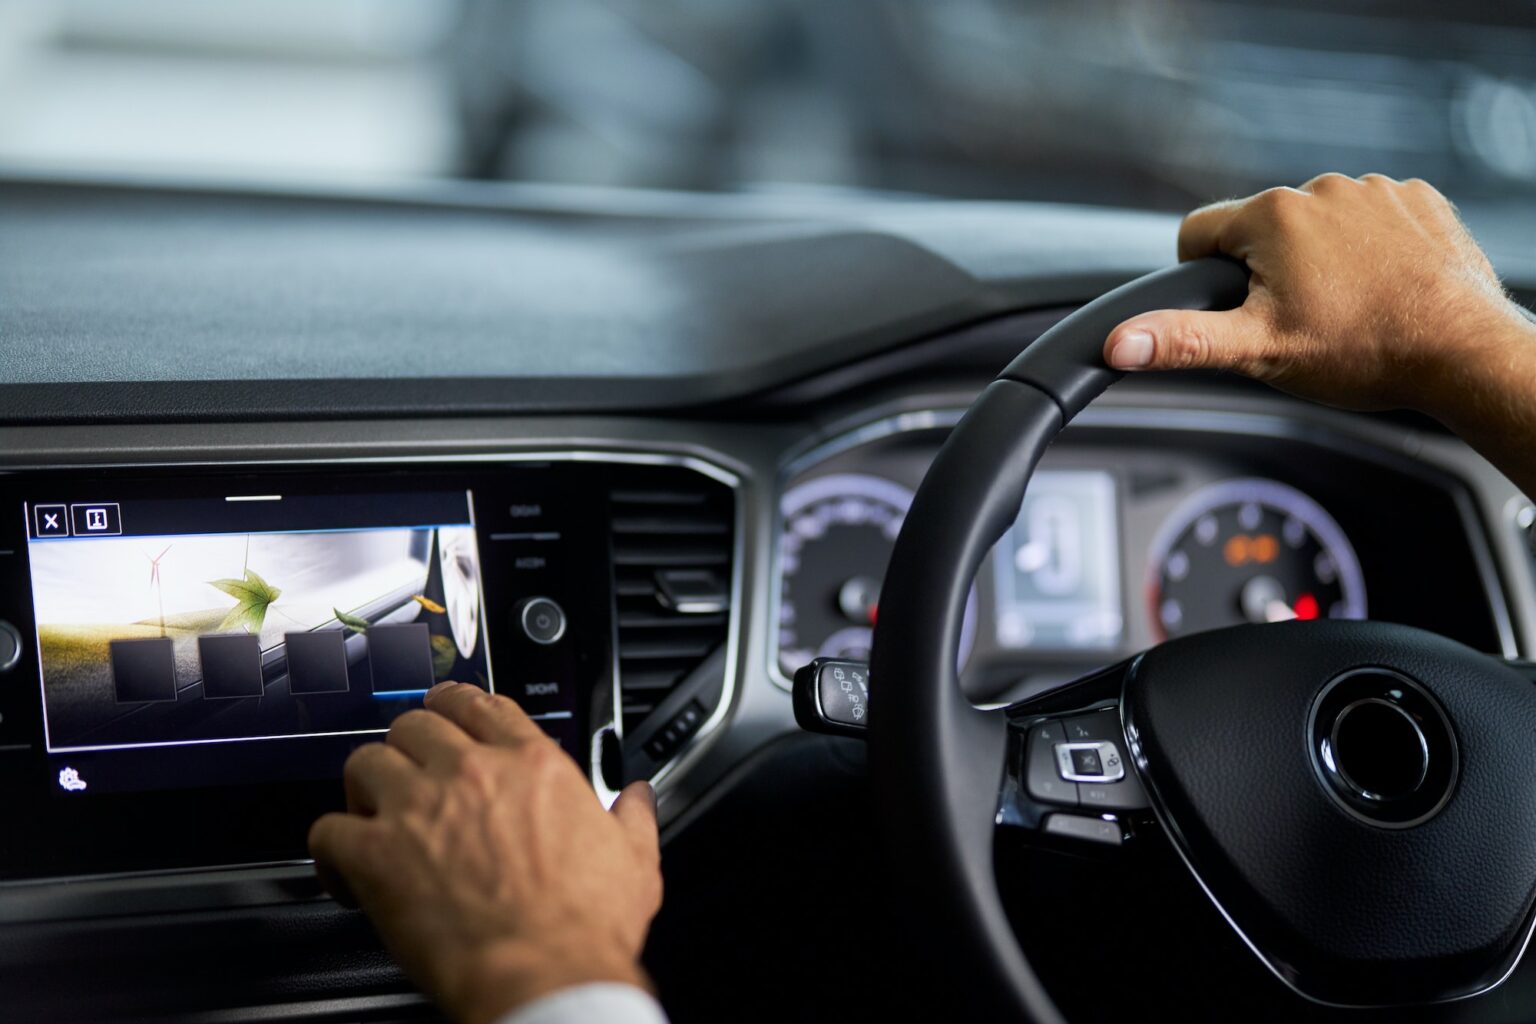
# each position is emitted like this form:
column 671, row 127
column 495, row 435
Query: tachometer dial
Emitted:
column 838, row 532
column 1250, row 550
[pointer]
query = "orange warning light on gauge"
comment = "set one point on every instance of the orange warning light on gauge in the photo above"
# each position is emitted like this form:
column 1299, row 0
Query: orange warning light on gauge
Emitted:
column 1240, row 549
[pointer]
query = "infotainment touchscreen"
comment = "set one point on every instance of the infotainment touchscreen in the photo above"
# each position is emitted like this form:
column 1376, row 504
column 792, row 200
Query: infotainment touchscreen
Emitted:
column 189, row 654
column 246, row 619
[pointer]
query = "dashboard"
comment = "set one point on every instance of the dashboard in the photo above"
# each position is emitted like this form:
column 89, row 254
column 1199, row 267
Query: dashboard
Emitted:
column 631, row 460
column 197, row 649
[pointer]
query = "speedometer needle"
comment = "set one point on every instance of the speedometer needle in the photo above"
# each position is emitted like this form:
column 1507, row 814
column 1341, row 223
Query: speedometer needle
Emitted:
column 1263, row 600
column 1278, row 611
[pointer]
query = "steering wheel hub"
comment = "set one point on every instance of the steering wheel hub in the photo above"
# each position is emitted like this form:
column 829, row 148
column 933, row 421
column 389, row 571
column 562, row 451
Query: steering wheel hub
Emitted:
column 1383, row 747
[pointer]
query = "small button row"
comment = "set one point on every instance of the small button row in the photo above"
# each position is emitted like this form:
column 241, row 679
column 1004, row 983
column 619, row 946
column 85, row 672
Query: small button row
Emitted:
column 1079, row 762
column 666, row 740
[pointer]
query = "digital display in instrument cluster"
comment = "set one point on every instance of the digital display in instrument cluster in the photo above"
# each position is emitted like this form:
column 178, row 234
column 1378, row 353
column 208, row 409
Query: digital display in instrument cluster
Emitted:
column 1056, row 572
column 1055, row 577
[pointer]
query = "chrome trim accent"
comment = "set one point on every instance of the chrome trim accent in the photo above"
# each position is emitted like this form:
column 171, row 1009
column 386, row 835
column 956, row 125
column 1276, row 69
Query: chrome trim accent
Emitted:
column 333, row 1008
column 649, row 457
column 1323, row 747
column 522, row 620
column 157, row 873
column 1102, row 416
column 683, row 605
column 12, row 659
column 1333, row 743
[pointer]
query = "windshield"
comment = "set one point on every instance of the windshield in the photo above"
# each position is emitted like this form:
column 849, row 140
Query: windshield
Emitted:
column 1137, row 103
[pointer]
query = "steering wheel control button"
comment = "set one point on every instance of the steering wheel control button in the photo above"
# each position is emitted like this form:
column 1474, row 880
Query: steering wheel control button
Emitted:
column 10, row 646
column 1125, row 795
column 1075, row 826
column 1096, row 761
column 1042, row 776
column 831, row 695
column 1096, row 725
column 1109, row 787
column 1083, row 759
column 541, row 620
column 1383, row 748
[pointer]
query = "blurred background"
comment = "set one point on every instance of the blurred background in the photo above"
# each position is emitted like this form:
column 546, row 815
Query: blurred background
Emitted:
column 1145, row 103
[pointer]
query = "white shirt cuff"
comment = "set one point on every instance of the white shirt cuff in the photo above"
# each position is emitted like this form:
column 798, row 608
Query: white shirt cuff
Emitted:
column 596, row 1003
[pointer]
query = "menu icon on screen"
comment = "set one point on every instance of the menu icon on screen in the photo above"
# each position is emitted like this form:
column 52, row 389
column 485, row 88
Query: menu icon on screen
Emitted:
column 50, row 521
column 98, row 519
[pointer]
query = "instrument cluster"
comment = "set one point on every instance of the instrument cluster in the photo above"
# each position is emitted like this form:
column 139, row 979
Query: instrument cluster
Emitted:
column 1125, row 538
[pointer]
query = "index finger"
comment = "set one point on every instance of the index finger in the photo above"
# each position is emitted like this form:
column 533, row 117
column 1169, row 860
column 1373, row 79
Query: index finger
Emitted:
column 338, row 843
column 1201, row 233
column 489, row 718
column 1233, row 227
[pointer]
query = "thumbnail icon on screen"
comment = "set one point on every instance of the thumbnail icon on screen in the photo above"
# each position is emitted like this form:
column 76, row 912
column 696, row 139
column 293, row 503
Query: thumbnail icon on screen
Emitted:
column 231, row 665
column 143, row 671
column 317, row 662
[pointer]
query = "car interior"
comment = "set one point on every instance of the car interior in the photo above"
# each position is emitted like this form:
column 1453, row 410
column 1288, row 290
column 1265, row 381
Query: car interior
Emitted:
column 701, row 439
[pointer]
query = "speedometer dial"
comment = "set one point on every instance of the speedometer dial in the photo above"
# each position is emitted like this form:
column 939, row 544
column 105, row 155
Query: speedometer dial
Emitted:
column 1251, row 550
column 836, row 541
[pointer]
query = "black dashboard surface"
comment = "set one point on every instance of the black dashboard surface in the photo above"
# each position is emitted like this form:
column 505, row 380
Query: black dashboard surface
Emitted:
column 124, row 301
column 129, row 303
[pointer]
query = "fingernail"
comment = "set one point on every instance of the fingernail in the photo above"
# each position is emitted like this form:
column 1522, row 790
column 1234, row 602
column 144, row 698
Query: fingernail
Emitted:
column 1132, row 352
column 435, row 689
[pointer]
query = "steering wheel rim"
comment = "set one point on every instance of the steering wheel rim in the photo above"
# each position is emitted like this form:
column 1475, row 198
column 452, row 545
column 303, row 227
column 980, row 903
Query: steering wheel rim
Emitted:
column 935, row 758
column 1416, row 901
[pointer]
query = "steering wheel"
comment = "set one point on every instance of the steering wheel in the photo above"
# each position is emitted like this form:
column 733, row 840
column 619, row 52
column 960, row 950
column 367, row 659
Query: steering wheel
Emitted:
column 1358, row 799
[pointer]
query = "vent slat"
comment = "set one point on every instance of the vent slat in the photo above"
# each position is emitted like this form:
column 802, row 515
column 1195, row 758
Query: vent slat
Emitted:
column 624, row 497
column 646, row 620
column 655, row 525
column 652, row 530
column 669, row 559
column 654, row 650
column 639, row 681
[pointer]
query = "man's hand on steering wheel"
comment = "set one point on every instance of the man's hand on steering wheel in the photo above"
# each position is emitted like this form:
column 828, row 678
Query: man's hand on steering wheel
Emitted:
column 1366, row 293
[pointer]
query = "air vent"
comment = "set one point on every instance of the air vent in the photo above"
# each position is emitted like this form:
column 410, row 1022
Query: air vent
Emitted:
column 672, row 583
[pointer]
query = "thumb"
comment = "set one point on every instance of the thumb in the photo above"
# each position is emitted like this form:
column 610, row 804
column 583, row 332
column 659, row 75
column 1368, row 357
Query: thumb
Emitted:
column 636, row 810
column 1186, row 339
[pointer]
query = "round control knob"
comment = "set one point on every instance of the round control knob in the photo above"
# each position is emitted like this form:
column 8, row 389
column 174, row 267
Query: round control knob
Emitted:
column 541, row 619
column 10, row 646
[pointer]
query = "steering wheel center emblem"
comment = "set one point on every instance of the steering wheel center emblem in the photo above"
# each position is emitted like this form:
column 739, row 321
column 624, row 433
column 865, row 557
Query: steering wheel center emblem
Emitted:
column 1383, row 747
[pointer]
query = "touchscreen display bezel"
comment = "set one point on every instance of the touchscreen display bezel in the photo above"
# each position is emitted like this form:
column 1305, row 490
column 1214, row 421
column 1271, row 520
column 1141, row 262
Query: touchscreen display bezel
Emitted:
column 224, row 817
